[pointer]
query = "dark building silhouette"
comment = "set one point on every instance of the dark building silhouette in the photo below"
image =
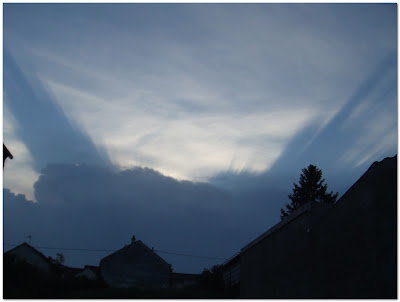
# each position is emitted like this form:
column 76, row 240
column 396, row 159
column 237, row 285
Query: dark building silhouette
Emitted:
column 231, row 275
column 345, row 250
column 26, row 253
column 136, row 265
column 179, row 280
column 89, row 272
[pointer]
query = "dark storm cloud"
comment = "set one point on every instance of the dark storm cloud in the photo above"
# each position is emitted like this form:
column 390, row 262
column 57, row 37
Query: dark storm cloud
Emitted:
column 19, row 199
column 94, row 207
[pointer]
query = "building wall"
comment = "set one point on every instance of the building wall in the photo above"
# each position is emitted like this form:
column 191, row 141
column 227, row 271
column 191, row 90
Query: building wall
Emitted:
column 347, row 251
column 135, row 266
column 357, row 240
column 231, row 274
column 278, row 262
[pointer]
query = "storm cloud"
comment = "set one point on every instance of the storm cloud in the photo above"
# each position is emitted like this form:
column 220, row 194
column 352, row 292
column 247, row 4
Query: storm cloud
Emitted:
column 94, row 207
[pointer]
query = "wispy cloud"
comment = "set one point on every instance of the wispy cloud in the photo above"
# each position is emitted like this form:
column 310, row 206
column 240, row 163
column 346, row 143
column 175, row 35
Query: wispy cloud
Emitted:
column 230, row 92
column 172, row 134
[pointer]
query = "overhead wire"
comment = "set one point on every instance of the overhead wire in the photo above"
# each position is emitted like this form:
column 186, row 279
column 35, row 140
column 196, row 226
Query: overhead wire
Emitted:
column 109, row 250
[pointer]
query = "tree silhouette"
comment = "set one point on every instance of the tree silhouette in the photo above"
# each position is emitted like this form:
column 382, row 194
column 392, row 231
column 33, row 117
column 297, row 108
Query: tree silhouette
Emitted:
column 60, row 259
column 311, row 188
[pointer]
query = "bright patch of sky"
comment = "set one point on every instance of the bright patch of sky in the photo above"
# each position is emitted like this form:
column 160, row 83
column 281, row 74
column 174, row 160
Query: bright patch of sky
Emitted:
column 20, row 175
column 192, row 90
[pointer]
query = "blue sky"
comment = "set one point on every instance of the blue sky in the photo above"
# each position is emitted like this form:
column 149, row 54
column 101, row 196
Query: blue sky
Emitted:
column 224, row 104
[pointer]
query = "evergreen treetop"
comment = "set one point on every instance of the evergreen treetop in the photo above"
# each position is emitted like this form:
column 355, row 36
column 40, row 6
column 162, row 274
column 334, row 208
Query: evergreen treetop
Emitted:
column 311, row 187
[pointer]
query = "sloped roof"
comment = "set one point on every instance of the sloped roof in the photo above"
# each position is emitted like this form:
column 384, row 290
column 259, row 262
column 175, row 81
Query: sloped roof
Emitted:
column 141, row 244
column 235, row 258
column 6, row 153
column 308, row 207
column 15, row 249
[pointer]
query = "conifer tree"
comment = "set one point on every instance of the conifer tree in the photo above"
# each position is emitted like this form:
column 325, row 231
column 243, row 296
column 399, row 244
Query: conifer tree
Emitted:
column 311, row 187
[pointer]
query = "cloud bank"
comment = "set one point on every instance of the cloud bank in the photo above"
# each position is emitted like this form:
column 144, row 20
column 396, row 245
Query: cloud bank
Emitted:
column 94, row 207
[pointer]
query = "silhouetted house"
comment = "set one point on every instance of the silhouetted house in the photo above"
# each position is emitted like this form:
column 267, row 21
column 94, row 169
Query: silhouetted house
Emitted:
column 344, row 250
column 69, row 273
column 179, row 280
column 135, row 265
column 26, row 253
column 89, row 272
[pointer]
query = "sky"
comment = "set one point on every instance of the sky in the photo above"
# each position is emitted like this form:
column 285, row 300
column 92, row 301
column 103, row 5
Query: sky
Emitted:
column 185, row 124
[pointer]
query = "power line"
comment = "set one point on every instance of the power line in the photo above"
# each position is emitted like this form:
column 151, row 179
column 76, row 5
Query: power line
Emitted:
column 187, row 255
column 108, row 250
column 66, row 248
